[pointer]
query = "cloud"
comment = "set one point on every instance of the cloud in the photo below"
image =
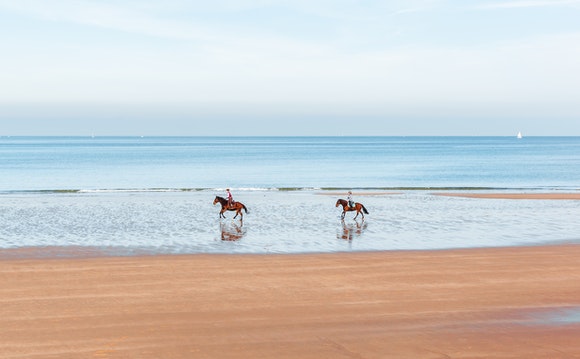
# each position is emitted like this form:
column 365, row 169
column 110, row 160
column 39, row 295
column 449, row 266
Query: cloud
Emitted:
column 185, row 20
column 108, row 16
column 530, row 3
column 253, row 68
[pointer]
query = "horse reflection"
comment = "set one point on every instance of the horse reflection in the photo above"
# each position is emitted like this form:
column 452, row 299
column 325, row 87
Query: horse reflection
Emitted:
column 352, row 230
column 232, row 231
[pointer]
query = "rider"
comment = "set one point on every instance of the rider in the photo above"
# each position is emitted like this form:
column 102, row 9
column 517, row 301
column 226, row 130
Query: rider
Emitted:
column 349, row 199
column 229, row 197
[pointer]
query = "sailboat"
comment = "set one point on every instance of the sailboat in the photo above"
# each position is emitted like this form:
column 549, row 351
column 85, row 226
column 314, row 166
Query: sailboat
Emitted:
column 519, row 134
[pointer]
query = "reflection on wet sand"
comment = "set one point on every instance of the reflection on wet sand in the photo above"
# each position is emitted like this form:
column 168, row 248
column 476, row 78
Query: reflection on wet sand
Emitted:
column 351, row 230
column 232, row 231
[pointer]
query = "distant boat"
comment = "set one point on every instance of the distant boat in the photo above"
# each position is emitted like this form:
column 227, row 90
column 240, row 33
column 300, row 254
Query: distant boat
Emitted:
column 520, row 134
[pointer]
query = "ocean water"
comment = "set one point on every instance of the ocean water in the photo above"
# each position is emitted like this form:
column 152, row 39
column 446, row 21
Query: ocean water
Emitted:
column 133, row 195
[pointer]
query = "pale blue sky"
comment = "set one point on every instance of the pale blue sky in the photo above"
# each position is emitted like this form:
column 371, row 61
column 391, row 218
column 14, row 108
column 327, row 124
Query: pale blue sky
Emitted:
column 303, row 67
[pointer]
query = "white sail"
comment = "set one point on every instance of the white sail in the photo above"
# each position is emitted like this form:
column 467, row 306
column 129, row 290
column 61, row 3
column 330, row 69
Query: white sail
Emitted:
column 520, row 134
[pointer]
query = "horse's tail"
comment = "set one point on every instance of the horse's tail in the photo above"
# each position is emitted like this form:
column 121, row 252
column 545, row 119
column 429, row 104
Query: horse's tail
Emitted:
column 364, row 209
column 245, row 209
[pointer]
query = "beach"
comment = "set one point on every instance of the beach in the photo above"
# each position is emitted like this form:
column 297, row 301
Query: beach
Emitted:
column 406, row 177
column 515, row 302
column 536, row 196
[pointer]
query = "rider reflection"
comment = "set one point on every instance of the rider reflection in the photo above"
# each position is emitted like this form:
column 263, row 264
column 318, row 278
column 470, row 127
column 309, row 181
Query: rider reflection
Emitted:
column 352, row 230
column 232, row 231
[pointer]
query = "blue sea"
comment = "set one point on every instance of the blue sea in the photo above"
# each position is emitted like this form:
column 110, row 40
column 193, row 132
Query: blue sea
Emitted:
column 154, row 195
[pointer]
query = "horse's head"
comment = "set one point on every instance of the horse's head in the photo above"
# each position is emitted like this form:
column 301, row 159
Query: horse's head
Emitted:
column 340, row 202
column 216, row 200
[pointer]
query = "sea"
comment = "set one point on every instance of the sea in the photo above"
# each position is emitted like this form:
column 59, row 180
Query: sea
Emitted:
column 123, row 196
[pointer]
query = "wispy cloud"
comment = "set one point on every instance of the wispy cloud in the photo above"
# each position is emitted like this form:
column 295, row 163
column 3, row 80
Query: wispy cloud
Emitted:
column 229, row 51
column 108, row 16
column 530, row 3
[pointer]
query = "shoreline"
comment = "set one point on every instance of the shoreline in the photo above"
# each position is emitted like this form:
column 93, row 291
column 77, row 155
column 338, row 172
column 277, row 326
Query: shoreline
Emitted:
column 461, row 303
column 80, row 253
column 110, row 249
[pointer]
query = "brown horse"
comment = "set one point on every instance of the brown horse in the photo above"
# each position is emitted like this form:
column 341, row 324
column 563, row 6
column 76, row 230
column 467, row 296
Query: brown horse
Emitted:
column 359, row 208
column 236, row 206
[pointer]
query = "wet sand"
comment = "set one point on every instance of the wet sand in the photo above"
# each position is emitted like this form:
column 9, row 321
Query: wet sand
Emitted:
column 549, row 196
column 475, row 303
column 519, row 195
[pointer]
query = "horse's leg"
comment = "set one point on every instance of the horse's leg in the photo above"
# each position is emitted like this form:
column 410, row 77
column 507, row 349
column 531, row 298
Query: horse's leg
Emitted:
column 237, row 212
column 343, row 213
column 222, row 212
column 359, row 209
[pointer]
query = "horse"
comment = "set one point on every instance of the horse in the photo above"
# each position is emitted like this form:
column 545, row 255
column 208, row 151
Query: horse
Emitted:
column 236, row 206
column 359, row 208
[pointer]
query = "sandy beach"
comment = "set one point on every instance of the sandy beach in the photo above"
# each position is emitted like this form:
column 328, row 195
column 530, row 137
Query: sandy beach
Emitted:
column 516, row 302
column 543, row 196
column 495, row 195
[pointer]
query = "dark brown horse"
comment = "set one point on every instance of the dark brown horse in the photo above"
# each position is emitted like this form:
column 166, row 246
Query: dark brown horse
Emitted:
column 359, row 208
column 236, row 206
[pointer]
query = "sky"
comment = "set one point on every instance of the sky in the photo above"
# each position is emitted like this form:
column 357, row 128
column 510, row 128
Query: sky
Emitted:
column 301, row 67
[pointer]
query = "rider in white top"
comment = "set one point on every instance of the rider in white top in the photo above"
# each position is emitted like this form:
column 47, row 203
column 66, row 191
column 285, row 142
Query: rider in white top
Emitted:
column 229, row 197
column 349, row 199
